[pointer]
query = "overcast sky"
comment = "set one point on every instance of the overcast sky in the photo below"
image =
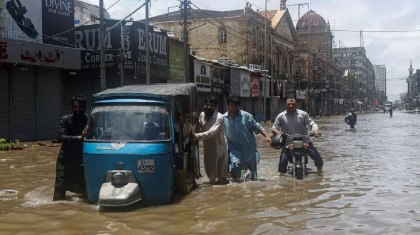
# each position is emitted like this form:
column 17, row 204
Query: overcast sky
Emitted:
column 395, row 50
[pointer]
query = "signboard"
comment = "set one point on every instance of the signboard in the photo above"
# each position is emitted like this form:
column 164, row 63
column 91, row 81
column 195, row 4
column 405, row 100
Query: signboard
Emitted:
column 46, row 21
column 202, row 76
column 176, row 61
column 235, row 81
column 217, row 79
column 245, row 84
column 300, row 94
column 16, row 51
column 132, row 41
column 255, row 86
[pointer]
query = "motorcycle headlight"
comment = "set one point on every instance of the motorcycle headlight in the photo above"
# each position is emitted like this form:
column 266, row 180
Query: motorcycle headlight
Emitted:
column 297, row 144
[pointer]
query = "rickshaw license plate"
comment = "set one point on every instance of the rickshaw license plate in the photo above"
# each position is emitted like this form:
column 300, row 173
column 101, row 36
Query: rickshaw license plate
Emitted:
column 146, row 165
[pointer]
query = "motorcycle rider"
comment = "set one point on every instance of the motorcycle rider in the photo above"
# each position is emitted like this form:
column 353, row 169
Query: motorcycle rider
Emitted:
column 294, row 121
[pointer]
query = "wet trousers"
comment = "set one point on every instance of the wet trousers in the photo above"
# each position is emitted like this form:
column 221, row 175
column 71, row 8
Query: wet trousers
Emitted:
column 217, row 169
column 69, row 177
column 286, row 156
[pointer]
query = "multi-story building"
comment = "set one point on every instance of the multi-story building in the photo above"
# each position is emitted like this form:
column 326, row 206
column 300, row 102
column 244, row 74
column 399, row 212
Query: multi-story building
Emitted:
column 361, row 86
column 380, row 78
column 316, row 65
column 237, row 36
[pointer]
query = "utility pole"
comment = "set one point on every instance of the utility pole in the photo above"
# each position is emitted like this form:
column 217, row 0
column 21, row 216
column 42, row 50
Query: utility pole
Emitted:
column 272, row 81
column 185, row 11
column 147, row 43
column 102, row 45
column 122, row 57
column 265, row 62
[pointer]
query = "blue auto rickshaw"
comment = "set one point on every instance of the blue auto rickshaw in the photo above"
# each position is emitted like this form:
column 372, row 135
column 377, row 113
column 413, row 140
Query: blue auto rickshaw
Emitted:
column 132, row 151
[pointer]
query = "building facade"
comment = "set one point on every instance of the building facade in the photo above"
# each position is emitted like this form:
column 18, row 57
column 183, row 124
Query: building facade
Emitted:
column 362, row 91
column 380, row 78
column 238, row 37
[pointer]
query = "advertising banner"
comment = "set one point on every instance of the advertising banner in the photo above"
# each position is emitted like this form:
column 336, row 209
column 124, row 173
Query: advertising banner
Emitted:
column 217, row 77
column 176, row 61
column 202, row 76
column 132, row 41
column 46, row 21
column 245, row 84
column 235, row 81
column 255, row 86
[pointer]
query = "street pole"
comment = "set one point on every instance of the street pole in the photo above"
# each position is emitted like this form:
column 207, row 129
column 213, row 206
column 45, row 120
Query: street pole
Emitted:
column 122, row 58
column 184, row 12
column 265, row 60
column 147, row 43
column 102, row 45
column 272, row 81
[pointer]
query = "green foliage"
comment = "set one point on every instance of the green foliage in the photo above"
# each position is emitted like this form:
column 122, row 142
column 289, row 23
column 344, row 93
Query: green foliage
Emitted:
column 4, row 145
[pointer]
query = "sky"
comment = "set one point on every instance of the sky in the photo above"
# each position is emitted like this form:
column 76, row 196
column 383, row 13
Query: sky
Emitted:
column 394, row 50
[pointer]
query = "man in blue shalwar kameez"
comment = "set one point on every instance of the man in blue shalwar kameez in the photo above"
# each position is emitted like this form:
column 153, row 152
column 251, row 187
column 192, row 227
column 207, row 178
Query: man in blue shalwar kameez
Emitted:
column 240, row 127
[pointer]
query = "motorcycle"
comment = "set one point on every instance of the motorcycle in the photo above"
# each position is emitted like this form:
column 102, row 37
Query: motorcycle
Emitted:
column 298, row 150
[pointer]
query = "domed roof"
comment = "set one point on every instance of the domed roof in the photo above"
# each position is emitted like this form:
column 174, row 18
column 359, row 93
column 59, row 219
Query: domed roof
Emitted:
column 316, row 21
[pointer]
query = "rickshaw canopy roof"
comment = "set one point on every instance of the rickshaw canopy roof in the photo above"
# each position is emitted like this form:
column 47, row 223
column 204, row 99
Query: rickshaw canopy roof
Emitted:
column 159, row 90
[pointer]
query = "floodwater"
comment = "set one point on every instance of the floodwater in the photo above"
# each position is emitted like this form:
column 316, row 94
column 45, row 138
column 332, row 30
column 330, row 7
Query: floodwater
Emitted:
column 370, row 185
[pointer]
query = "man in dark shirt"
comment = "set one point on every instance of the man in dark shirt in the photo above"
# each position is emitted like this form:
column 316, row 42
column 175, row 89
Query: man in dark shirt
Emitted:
column 69, row 168
column 351, row 118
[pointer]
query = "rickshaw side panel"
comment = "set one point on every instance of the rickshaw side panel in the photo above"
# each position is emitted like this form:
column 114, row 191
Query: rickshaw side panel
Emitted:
column 156, row 188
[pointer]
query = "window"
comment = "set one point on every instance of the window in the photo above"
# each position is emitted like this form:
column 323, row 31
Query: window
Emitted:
column 223, row 35
column 129, row 123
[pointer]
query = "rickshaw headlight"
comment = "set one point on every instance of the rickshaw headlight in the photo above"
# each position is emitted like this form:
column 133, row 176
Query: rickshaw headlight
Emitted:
column 119, row 178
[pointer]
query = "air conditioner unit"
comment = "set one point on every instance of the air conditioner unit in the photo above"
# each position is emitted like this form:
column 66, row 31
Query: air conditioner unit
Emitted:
column 255, row 67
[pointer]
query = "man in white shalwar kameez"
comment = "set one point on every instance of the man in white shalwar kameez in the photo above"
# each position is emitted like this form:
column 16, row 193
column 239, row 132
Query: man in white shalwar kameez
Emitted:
column 212, row 133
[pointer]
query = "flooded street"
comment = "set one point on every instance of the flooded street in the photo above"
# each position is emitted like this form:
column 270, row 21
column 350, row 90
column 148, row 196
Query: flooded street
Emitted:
column 370, row 185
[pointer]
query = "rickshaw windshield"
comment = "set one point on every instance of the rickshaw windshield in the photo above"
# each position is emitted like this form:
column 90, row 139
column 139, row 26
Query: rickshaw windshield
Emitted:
column 129, row 123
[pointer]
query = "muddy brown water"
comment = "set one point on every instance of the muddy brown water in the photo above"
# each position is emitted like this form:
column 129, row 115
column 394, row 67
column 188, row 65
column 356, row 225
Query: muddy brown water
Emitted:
column 370, row 185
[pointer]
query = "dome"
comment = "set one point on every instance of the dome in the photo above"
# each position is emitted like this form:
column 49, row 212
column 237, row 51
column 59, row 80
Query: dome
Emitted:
column 315, row 21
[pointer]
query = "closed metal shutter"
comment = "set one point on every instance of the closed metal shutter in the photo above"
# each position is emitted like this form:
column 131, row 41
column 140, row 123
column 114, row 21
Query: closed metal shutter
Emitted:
column 49, row 103
column 23, row 104
column 4, row 104
column 75, row 85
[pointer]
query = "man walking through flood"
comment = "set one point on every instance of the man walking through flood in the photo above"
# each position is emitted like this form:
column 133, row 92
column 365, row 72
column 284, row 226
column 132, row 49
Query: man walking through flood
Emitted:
column 351, row 118
column 71, row 133
column 214, row 142
column 240, row 127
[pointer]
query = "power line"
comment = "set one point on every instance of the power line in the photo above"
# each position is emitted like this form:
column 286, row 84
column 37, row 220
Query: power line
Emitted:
column 376, row 31
column 238, row 33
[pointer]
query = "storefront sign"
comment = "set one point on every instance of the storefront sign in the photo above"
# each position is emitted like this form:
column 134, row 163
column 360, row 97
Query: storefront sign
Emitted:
column 255, row 86
column 132, row 41
column 176, row 61
column 235, row 81
column 202, row 76
column 245, row 84
column 217, row 79
column 300, row 95
column 15, row 51
column 43, row 21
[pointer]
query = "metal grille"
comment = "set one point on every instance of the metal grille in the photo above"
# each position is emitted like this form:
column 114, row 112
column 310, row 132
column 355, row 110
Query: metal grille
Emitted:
column 4, row 105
